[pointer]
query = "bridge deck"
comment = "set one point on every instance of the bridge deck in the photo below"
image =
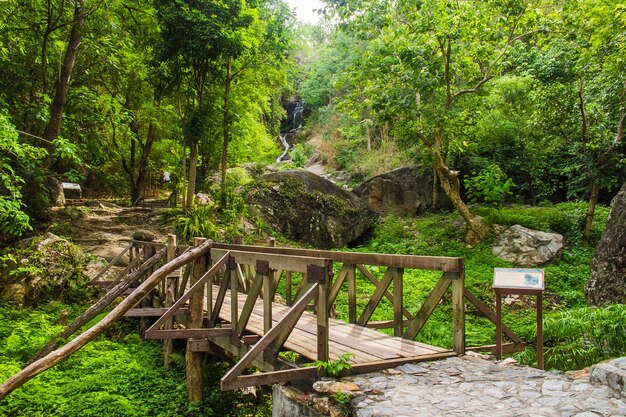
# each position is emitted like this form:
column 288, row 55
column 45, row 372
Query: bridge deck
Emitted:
column 368, row 345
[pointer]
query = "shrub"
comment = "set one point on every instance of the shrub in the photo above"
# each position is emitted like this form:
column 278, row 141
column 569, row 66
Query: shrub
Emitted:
column 490, row 185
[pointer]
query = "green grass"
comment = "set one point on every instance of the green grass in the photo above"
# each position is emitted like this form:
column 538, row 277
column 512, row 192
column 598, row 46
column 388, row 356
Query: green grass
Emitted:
column 117, row 375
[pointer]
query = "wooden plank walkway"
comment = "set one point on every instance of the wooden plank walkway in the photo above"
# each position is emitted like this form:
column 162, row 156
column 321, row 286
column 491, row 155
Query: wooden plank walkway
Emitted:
column 368, row 345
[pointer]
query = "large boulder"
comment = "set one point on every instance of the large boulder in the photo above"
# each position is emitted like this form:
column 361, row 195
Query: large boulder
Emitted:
column 310, row 209
column 406, row 191
column 44, row 268
column 526, row 247
column 607, row 283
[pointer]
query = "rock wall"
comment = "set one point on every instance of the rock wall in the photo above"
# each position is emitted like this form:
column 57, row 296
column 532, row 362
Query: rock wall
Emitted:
column 607, row 283
column 406, row 191
column 310, row 209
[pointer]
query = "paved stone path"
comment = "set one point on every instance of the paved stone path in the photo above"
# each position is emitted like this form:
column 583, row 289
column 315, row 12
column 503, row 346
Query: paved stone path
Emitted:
column 473, row 386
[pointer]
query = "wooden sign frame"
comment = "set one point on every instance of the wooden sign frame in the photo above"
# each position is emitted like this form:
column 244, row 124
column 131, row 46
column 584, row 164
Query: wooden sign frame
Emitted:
column 518, row 281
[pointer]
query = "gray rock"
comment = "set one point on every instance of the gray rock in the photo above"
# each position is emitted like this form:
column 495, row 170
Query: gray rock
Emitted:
column 47, row 268
column 144, row 235
column 55, row 193
column 309, row 209
column 405, row 191
column 526, row 247
column 612, row 374
column 608, row 267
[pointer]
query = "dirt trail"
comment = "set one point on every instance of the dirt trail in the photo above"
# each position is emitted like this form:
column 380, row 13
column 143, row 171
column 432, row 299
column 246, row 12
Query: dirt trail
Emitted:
column 105, row 229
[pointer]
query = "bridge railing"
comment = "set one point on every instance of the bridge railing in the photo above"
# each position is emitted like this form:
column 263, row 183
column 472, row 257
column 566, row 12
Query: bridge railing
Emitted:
column 391, row 286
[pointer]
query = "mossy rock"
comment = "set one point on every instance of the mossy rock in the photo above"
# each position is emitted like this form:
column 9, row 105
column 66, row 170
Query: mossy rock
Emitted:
column 310, row 209
column 44, row 268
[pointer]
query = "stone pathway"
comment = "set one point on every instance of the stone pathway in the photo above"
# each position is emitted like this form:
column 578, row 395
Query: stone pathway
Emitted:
column 473, row 386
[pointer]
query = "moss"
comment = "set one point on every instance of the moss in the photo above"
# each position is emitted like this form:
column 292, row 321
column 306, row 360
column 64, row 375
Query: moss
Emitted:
column 44, row 268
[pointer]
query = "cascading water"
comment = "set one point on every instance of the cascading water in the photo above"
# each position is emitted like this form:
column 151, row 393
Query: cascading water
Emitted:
column 293, row 124
column 283, row 141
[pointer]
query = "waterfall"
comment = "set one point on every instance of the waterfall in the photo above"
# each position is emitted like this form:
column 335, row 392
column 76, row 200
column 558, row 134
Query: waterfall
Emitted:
column 295, row 117
column 283, row 141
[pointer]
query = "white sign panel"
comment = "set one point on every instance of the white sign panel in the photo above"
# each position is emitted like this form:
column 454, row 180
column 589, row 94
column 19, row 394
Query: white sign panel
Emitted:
column 532, row 279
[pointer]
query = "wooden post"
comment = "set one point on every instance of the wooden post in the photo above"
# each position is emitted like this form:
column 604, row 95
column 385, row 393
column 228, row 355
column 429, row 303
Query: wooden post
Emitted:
column 458, row 312
column 234, row 298
column 170, row 295
column 322, row 323
column 398, row 317
column 498, row 353
column 146, row 322
column 268, row 281
column 193, row 360
column 540, row 330
column 352, row 294
column 288, row 288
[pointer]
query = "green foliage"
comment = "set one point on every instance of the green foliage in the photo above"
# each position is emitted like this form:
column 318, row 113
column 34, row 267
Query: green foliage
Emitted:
column 15, row 158
column 565, row 218
column 334, row 368
column 489, row 185
column 197, row 222
column 581, row 337
column 300, row 154
column 110, row 377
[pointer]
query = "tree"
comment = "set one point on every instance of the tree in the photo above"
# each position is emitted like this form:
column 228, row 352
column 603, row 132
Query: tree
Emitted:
column 443, row 52
column 57, row 106
column 195, row 36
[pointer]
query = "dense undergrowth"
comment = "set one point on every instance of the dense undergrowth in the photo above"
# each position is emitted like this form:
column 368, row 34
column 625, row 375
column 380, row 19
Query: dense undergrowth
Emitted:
column 117, row 375
column 575, row 335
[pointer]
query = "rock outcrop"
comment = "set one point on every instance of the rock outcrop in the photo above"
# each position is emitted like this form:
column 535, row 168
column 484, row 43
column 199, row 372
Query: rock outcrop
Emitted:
column 309, row 209
column 607, row 283
column 44, row 268
column 406, row 191
column 54, row 189
column 526, row 247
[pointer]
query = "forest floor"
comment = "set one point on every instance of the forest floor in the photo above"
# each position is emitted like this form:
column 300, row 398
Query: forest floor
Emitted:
column 104, row 229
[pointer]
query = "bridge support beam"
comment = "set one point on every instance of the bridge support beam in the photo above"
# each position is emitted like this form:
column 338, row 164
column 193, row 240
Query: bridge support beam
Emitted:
column 170, row 297
column 193, row 359
column 458, row 311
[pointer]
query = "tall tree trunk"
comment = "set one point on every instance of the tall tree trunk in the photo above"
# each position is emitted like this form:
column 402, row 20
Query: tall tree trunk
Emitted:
column 591, row 208
column 435, row 188
column 58, row 103
column 183, row 197
column 225, row 126
column 477, row 231
column 138, row 185
column 193, row 163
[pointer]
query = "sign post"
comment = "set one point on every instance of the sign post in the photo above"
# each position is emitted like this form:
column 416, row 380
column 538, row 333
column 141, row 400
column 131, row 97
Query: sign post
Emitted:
column 519, row 282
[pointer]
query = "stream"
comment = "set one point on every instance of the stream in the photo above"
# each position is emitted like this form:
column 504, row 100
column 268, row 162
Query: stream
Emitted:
column 294, row 123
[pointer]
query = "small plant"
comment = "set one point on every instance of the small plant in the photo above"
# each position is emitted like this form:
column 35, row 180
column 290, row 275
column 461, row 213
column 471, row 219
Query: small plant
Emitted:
column 300, row 154
column 334, row 368
column 343, row 401
column 289, row 355
column 491, row 185
column 197, row 223
column 342, row 398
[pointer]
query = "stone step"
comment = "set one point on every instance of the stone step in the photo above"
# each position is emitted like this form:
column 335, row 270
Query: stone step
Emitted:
column 612, row 374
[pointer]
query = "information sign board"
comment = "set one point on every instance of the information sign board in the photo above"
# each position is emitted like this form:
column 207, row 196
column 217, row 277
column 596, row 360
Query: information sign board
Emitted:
column 531, row 279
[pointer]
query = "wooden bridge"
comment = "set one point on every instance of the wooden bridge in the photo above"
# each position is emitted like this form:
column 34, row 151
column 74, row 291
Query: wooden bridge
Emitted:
column 259, row 302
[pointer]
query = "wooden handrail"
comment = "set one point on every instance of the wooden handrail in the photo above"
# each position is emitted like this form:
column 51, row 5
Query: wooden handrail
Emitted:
column 436, row 263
